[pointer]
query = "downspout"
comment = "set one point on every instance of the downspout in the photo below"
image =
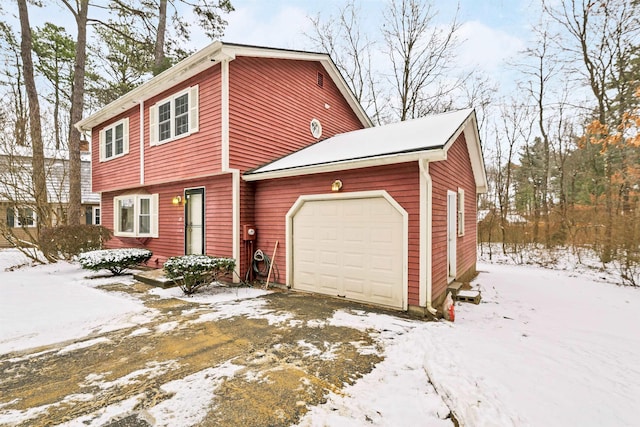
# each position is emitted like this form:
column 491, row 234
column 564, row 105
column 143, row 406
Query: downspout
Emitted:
column 426, row 230
column 142, row 142
column 235, row 173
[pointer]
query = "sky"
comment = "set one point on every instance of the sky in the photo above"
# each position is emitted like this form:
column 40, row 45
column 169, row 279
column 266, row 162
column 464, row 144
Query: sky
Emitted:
column 492, row 31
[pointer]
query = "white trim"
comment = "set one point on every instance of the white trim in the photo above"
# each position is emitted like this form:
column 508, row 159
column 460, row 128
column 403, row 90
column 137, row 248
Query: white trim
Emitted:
column 224, row 107
column 141, row 142
column 204, row 217
column 345, row 196
column 452, row 259
column 125, row 140
column 474, row 147
column 153, row 215
column 426, row 236
column 431, row 155
column 192, row 109
column 224, row 163
column 94, row 216
column 235, row 226
column 460, row 213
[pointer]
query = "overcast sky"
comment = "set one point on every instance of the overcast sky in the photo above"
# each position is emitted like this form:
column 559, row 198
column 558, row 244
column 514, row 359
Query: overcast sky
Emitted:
column 492, row 30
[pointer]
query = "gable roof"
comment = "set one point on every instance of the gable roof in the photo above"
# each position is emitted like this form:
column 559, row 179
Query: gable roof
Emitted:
column 209, row 57
column 429, row 138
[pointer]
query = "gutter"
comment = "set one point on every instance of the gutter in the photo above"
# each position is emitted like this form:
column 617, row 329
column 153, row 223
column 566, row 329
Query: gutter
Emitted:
column 426, row 236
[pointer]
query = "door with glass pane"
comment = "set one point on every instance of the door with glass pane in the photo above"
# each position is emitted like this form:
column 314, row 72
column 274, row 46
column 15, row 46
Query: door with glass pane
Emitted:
column 194, row 221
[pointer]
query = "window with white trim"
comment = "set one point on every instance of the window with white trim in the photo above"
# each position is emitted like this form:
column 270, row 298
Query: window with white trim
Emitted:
column 135, row 215
column 460, row 212
column 174, row 117
column 21, row 217
column 114, row 140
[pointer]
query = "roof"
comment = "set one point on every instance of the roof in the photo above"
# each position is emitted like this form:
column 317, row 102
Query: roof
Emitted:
column 428, row 138
column 209, row 57
column 15, row 176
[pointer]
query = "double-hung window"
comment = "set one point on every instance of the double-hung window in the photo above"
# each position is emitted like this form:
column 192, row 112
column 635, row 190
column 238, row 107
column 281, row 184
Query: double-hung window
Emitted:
column 174, row 117
column 114, row 140
column 136, row 215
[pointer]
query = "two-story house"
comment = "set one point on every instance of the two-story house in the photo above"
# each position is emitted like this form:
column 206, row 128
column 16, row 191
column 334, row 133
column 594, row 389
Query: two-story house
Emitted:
column 238, row 138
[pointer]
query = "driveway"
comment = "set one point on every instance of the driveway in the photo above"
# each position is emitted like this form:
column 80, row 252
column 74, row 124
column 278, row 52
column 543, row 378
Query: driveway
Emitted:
column 256, row 362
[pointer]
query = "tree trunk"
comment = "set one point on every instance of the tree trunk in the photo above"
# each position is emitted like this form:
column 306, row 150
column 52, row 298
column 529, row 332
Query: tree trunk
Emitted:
column 77, row 106
column 158, row 53
column 37, row 170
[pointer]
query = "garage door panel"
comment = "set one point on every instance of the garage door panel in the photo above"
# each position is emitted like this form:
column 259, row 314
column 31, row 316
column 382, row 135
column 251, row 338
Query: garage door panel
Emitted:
column 328, row 260
column 356, row 250
column 328, row 282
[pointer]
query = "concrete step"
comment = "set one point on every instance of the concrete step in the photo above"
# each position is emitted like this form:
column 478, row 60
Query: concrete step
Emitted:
column 454, row 288
column 154, row 277
column 472, row 296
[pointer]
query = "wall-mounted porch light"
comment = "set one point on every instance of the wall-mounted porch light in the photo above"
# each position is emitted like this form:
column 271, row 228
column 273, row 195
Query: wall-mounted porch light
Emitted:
column 176, row 200
column 336, row 185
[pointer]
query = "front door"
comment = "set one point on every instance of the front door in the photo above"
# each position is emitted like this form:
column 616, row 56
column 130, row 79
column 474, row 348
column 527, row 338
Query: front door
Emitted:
column 452, row 216
column 194, row 221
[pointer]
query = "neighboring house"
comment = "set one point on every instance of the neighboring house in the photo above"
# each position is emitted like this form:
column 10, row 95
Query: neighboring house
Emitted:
column 236, row 137
column 17, row 203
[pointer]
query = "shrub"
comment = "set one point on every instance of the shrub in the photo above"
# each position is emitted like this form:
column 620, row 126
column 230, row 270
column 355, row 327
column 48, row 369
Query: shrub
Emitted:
column 67, row 241
column 114, row 260
column 193, row 271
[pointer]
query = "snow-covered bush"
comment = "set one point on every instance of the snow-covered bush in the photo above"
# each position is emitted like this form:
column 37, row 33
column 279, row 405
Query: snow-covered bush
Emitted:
column 114, row 260
column 193, row 271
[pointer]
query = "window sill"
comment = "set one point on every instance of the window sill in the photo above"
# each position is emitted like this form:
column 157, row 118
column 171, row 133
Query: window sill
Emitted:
column 114, row 157
column 175, row 138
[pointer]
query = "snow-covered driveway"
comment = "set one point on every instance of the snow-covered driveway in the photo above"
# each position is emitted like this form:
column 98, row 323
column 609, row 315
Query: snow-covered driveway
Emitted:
column 543, row 348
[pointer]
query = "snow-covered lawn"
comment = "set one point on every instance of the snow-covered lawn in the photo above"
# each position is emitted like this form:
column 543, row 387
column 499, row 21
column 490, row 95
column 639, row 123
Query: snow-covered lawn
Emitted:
column 545, row 347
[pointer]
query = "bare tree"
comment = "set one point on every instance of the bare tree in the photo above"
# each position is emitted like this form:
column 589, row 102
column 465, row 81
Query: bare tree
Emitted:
column 601, row 36
column 540, row 71
column 421, row 54
column 35, row 126
column 352, row 50
column 513, row 128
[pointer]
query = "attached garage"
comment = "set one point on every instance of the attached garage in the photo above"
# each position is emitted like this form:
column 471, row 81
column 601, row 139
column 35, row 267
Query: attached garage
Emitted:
column 351, row 245
column 383, row 215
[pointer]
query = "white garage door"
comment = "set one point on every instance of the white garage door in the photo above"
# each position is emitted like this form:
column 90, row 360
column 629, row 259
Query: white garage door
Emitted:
column 351, row 248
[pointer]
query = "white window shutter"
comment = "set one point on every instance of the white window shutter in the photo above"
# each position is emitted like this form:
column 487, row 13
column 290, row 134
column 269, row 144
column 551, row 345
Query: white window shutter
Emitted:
column 193, row 108
column 125, row 136
column 101, row 144
column 154, row 215
column 153, row 125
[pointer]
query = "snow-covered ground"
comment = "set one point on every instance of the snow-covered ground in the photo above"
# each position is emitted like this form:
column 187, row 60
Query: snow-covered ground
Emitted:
column 545, row 347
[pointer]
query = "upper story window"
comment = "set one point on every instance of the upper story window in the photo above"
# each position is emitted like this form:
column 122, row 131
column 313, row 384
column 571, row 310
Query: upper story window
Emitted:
column 114, row 140
column 135, row 215
column 174, row 117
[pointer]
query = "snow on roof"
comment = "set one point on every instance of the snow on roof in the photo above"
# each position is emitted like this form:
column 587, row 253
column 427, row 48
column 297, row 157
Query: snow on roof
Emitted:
column 423, row 134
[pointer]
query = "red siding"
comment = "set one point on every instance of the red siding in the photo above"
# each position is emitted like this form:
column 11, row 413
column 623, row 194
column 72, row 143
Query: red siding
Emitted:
column 272, row 102
column 121, row 171
column 218, row 219
column 274, row 198
column 197, row 154
column 451, row 174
